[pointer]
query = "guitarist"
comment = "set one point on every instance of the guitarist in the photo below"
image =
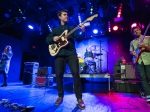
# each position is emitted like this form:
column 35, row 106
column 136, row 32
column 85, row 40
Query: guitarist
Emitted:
column 67, row 55
column 143, row 63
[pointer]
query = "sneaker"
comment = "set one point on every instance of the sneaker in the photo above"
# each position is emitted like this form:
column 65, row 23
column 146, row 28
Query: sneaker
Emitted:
column 81, row 104
column 59, row 101
column 148, row 99
column 142, row 94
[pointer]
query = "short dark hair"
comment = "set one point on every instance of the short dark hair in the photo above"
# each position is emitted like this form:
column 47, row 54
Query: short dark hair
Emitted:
column 135, row 28
column 60, row 12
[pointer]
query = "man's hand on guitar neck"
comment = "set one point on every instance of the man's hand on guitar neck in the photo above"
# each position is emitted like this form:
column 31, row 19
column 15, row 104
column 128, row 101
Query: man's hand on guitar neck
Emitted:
column 143, row 45
column 56, row 38
column 82, row 27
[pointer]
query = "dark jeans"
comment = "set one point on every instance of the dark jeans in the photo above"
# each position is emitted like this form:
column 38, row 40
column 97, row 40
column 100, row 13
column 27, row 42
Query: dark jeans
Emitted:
column 73, row 64
column 144, row 74
column 4, row 76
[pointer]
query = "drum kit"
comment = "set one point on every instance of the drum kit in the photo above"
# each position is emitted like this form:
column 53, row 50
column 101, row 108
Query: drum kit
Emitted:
column 91, row 64
column 92, row 60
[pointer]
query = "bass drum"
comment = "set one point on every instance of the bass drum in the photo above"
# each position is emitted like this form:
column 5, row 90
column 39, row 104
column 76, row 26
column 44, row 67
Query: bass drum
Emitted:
column 81, row 66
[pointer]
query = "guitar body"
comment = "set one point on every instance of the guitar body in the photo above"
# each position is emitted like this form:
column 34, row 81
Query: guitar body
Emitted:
column 55, row 48
column 138, row 52
column 136, row 58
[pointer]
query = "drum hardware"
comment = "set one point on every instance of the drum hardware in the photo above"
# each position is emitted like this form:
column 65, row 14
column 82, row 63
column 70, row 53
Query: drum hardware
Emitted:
column 81, row 66
column 90, row 67
column 100, row 57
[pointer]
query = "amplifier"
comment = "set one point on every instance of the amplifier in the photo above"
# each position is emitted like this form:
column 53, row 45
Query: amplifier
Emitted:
column 44, row 81
column 44, row 71
column 128, row 71
column 31, row 64
column 125, row 72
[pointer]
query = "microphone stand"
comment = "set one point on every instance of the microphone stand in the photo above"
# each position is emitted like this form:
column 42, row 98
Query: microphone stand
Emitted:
column 107, row 58
column 100, row 57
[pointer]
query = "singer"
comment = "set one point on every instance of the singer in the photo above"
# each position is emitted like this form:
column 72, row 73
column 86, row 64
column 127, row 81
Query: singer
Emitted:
column 5, row 63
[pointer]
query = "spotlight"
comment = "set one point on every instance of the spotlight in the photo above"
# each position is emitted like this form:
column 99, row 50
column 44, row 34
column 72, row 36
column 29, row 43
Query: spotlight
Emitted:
column 40, row 8
column 50, row 29
column 7, row 15
column 115, row 28
column 30, row 26
column 133, row 25
column 79, row 17
column 109, row 27
column 95, row 31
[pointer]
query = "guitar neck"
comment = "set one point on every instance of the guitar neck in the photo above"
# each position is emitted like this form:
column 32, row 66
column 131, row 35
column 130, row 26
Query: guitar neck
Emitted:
column 143, row 36
column 67, row 36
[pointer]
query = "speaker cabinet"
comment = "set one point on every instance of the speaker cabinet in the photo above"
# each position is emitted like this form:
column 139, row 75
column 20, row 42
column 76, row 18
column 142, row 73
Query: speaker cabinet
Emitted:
column 125, row 72
column 129, row 72
column 30, row 72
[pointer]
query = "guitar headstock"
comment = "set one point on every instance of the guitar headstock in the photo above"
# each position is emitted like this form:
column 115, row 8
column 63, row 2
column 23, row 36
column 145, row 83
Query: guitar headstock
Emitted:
column 92, row 17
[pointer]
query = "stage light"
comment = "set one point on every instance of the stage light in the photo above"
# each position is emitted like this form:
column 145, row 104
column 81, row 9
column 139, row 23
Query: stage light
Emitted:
column 7, row 15
column 79, row 17
column 115, row 28
column 95, row 31
column 133, row 25
column 40, row 8
column 30, row 26
column 50, row 29
column 109, row 27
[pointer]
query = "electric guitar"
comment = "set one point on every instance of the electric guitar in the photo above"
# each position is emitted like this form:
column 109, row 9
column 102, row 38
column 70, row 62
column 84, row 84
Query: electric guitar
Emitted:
column 138, row 50
column 62, row 42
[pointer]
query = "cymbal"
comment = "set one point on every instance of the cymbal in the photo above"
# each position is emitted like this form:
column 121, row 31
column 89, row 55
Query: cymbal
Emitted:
column 97, row 52
column 94, row 47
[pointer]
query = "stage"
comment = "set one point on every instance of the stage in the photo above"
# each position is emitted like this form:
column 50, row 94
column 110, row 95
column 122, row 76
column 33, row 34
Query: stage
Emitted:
column 43, row 98
column 89, row 76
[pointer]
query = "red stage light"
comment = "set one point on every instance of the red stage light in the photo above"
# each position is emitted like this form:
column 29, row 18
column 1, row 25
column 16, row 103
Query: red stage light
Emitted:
column 133, row 25
column 115, row 28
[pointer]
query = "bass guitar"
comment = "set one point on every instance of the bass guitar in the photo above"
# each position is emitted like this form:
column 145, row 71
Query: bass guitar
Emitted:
column 138, row 50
